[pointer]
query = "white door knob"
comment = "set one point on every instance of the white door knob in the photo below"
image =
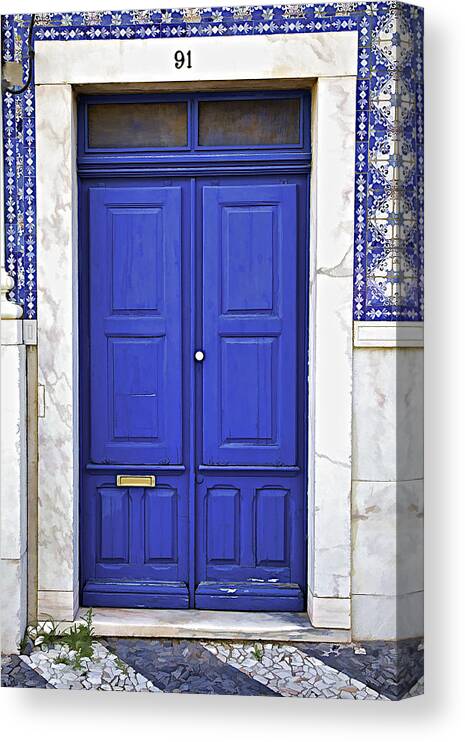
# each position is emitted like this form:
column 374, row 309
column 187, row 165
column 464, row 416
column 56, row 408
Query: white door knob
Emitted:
column 199, row 355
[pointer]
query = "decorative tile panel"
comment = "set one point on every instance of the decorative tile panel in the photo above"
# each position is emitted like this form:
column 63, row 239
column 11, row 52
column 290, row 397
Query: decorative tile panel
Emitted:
column 388, row 168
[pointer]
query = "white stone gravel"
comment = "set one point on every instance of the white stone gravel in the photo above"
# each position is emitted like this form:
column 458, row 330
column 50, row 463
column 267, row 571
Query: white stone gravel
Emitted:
column 104, row 671
column 290, row 672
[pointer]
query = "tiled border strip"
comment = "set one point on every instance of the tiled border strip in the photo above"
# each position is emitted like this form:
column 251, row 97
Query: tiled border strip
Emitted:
column 388, row 274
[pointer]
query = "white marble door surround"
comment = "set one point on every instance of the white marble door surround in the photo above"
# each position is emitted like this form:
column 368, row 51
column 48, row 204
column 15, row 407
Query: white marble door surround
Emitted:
column 328, row 61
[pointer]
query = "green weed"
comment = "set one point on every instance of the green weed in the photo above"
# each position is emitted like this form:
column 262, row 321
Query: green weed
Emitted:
column 78, row 638
column 257, row 652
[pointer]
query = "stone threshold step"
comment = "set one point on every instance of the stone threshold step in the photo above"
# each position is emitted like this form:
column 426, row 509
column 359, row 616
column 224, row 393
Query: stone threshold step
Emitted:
column 195, row 624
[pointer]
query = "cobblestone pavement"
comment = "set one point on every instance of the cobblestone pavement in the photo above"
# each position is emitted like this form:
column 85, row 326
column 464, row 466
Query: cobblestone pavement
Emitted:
column 368, row 671
column 183, row 666
column 17, row 674
column 391, row 668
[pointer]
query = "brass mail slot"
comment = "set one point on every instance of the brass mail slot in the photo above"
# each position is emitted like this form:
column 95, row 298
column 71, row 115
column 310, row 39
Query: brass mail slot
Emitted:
column 127, row 480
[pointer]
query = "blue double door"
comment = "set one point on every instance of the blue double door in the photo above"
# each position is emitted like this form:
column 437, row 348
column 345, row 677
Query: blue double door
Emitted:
column 193, row 353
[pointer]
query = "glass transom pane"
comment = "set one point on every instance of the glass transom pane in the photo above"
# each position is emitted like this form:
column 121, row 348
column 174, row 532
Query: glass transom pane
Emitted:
column 235, row 123
column 137, row 125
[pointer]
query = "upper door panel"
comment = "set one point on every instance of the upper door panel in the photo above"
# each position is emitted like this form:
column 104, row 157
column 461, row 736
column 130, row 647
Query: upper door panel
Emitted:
column 249, row 325
column 135, row 325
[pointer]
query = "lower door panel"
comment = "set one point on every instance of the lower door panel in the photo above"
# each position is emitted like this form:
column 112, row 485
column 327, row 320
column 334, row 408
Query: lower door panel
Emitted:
column 249, row 543
column 136, row 543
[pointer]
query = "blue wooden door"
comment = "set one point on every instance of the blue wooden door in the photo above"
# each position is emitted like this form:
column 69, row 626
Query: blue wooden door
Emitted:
column 250, row 503
column 169, row 268
column 135, row 539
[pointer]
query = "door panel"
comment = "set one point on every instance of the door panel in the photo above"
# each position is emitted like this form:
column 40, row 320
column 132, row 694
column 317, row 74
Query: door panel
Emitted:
column 222, row 515
column 249, row 244
column 113, row 506
column 161, row 519
column 271, row 526
column 133, row 259
column 247, row 415
column 135, row 324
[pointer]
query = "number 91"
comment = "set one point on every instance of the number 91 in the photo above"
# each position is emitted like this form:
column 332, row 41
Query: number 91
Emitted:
column 180, row 59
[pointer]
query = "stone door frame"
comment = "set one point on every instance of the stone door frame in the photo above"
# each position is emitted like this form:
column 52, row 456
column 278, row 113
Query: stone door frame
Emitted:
column 324, row 62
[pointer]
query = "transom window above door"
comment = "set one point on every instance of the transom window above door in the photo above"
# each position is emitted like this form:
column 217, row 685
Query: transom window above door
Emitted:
column 181, row 125
column 137, row 125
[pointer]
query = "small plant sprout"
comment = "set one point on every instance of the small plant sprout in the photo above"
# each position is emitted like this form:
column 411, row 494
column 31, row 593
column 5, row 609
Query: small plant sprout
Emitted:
column 257, row 652
column 121, row 666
